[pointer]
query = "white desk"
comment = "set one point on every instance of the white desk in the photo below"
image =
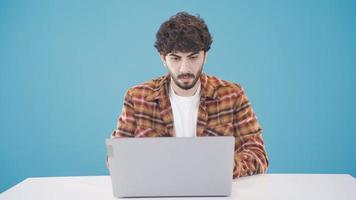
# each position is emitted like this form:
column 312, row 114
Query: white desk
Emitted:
column 266, row 186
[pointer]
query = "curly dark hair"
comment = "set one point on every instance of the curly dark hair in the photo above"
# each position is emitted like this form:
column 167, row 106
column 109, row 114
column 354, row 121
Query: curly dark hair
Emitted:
column 183, row 32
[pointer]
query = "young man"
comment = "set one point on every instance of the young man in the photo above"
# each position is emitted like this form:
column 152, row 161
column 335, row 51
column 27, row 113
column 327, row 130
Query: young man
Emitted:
column 189, row 103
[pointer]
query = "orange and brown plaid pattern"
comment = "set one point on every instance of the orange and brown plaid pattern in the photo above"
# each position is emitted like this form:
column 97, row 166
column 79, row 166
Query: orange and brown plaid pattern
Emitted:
column 224, row 110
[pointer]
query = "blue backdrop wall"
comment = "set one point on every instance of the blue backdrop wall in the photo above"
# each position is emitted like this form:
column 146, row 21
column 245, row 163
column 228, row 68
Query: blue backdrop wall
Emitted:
column 65, row 65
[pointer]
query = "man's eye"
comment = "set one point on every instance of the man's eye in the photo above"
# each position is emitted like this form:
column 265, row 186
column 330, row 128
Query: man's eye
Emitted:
column 194, row 57
column 174, row 58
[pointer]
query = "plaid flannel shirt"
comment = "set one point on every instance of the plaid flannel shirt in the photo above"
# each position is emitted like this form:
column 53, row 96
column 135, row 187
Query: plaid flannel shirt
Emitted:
column 224, row 110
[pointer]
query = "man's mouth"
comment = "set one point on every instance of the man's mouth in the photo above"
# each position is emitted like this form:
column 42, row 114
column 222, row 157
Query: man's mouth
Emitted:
column 185, row 77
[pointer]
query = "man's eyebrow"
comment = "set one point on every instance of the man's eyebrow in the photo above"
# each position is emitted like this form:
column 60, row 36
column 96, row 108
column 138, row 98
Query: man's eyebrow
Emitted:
column 193, row 53
column 196, row 52
column 172, row 54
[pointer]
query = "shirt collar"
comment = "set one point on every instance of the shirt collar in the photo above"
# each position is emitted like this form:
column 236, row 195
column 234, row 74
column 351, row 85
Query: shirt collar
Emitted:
column 208, row 90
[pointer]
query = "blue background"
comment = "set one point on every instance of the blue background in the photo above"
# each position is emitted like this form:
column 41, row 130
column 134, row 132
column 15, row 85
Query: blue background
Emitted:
column 65, row 65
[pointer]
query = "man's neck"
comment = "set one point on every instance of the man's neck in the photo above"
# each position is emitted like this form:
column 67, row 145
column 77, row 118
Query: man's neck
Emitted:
column 185, row 93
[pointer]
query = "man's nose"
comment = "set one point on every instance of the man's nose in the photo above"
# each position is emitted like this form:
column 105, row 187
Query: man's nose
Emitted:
column 184, row 68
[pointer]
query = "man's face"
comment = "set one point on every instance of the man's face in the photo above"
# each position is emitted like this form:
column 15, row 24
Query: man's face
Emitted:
column 185, row 68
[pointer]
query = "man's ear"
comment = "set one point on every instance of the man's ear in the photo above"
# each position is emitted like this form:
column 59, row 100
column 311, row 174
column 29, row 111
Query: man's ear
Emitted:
column 205, row 57
column 163, row 59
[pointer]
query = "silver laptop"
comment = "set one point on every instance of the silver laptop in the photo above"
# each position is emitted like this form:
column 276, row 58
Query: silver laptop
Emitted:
column 171, row 166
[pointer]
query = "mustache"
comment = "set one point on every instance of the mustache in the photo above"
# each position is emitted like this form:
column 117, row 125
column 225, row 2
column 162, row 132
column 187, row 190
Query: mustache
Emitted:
column 186, row 75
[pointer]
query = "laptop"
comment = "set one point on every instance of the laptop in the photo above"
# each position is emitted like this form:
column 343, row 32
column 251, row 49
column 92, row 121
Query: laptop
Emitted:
column 171, row 166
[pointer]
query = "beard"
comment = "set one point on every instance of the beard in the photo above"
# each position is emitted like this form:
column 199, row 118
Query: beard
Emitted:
column 187, row 75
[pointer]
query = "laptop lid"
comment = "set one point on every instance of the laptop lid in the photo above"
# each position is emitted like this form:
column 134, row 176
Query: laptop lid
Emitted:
column 171, row 166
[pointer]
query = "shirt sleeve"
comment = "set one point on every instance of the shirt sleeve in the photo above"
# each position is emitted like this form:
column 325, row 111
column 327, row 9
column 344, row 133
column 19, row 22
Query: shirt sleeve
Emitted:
column 126, row 124
column 250, row 153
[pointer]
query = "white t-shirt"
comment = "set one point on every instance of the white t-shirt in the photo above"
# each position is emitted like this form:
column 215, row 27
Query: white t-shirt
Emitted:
column 185, row 113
